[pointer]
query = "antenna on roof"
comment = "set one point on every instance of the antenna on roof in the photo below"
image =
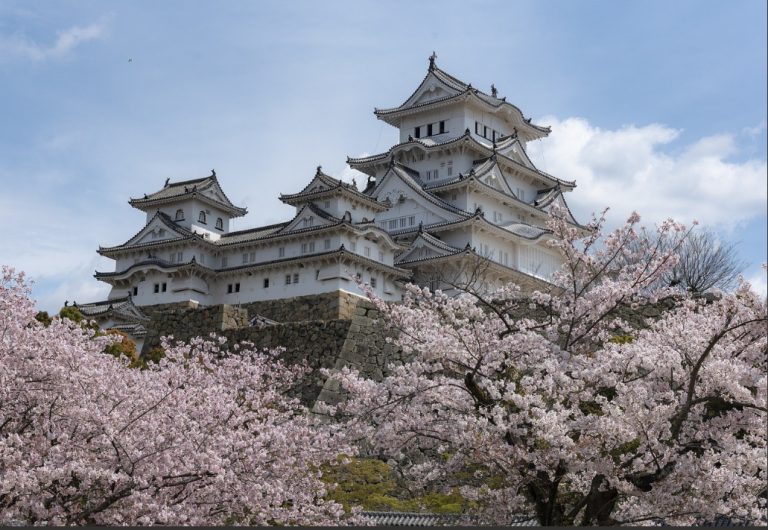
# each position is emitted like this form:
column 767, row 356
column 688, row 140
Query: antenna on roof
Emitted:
column 432, row 61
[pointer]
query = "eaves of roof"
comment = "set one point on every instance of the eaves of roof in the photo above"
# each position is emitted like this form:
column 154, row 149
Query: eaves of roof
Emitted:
column 469, row 252
column 488, row 151
column 193, row 264
column 339, row 224
column 184, row 236
column 334, row 186
column 167, row 195
column 450, row 225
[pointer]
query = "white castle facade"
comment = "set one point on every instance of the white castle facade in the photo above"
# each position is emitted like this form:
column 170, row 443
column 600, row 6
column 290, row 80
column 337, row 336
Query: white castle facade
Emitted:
column 457, row 188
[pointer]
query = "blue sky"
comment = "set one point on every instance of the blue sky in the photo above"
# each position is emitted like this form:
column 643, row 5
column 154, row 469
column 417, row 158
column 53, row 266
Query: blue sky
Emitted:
column 655, row 106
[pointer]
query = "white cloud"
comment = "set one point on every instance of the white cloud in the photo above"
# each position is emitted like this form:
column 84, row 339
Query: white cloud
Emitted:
column 754, row 131
column 627, row 170
column 347, row 174
column 20, row 47
column 759, row 282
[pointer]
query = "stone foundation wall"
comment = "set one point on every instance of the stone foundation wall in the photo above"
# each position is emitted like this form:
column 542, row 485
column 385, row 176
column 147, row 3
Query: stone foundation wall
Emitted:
column 327, row 306
column 318, row 343
column 358, row 341
column 187, row 323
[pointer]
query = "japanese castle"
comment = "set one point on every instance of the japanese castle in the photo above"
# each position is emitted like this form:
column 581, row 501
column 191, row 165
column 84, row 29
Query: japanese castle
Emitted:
column 457, row 189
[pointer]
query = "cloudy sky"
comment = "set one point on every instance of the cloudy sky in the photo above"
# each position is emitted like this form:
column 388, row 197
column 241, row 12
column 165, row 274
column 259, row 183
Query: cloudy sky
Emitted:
column 655, row 106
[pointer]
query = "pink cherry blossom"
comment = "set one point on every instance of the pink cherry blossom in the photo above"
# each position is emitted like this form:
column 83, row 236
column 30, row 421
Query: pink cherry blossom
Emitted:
column 202, row 439
column 574, row 424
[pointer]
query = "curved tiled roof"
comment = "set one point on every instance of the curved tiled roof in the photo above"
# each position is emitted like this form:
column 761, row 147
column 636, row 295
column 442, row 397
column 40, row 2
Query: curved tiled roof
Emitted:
column 251, row 233
column 436, row 519
column 121, row 307
column 163, row 264
column 429, row 238
column 480, row 147
column 407, row 176
column 519, row 229
column 178, row 190
column 137, row 330
column 463, row 90
column 332, row 184
column 184, row 235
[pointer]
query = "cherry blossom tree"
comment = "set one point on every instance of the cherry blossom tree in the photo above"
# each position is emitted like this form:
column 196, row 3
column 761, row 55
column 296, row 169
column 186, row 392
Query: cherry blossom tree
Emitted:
column 202, row 438
column 562, row 409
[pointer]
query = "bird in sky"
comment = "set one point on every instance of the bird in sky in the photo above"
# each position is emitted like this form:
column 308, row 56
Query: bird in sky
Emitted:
column 129, row 60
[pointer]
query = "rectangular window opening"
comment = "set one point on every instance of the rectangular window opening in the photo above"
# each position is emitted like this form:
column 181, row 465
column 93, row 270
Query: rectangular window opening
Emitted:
column 296, row 278
column 417, row 132
column 442, row 127
column 164, row 287
column 266, row 283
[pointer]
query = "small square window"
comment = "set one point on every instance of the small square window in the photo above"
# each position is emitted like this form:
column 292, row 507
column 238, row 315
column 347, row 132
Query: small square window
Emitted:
column 237, row 287
column 266, row 283
column 164, row 287
column 327, row 244
column 296, row 278
column 135, row 291
column 373, row 283
column 281, row 252
column 327, row 204
column 157, row 288
column 287, row 279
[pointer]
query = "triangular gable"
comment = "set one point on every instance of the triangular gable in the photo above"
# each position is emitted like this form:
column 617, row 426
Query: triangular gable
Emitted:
column 426, row 246
column 216, row 193
column 398, row 186
column 493, row 177
column 309, row 216
column 156, row 230
column 432, row 87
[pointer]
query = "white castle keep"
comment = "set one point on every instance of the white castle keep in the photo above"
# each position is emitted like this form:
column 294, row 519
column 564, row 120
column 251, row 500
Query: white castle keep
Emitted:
column 457, row 188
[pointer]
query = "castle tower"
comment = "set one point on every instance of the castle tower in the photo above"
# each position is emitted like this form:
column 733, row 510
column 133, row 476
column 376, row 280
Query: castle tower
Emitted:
column 460, row 185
